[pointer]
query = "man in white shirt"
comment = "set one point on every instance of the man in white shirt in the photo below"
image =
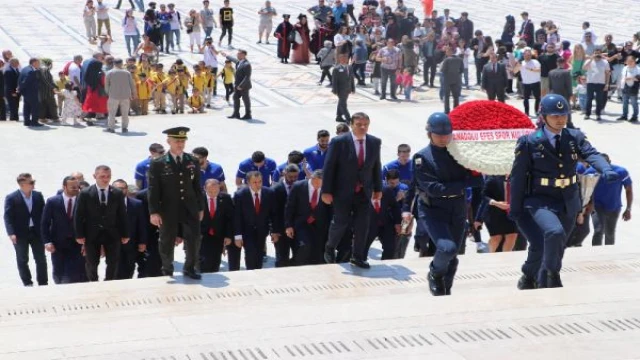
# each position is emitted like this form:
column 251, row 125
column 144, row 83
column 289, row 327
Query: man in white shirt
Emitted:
column 598, row 70
column 530, row 73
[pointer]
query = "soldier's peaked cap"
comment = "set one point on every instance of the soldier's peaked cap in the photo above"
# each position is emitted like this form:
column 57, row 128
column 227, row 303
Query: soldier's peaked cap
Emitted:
column 179, row 132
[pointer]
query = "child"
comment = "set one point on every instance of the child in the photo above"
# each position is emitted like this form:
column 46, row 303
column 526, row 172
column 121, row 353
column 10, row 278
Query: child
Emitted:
column 60, row 86
column 228, row 75
column 144, row 87
column 327, row 56
column 72, row 106
column 135, row 103
column 581, row 93
column 198, row 79
column 175, row 90
column 399, row 80
column 209, row 85
column 104, row 44
column 159, row 93
column 196, row 102
column 407, row 83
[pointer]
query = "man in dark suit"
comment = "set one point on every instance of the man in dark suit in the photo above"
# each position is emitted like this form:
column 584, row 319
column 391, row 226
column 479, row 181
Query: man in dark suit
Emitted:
column 343, row 85
column 306, row 220
column 479, row 47
column 22, row 216
column 11, row 93
column 452, row 69
column 137, row 222
column 285, row 247
column 175, row 202
column 149, row 262
column 494, row 79
column 352, row 177
column 58, row 234
column 560, row 80
column 385, row 222
column 28, row 87
column 216, row 226
column 465, row 27
column 526, row 30
column 3, row 105
column 100, row 221
column 255, row 217
column 242, row 84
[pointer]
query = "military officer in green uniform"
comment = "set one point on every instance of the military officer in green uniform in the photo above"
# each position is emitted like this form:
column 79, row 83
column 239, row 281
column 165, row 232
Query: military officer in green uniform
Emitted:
column 175, row 202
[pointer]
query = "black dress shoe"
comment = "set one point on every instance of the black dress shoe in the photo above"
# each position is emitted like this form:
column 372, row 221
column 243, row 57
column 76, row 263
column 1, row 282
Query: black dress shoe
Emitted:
column 526, row 283
column 436, row 285
column 192, row 274
column 246, row 117
column 360, row 263
column 339, row 119
column 233, row 116
column 553, row 280
column 330, row 256
column 447, row 291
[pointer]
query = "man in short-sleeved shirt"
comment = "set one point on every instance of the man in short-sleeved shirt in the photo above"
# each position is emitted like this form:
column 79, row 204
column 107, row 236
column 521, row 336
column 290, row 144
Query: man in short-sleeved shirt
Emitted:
column 155, row 150
column 257, row 162
column 320, row 11
column 208, row 169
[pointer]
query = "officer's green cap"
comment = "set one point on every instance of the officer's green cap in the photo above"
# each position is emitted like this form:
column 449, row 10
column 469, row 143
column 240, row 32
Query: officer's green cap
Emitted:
column 179, row 132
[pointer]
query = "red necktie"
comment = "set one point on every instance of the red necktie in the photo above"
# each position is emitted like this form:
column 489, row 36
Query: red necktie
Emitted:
column 212, row 213
column 314, row 199
column 256, row 203
column 376, row 206
column 69, row 208
column 361, row 153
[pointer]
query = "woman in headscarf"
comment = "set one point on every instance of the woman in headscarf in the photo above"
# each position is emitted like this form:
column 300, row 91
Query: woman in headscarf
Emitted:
column 96, row 98
column 46, row 93
column 301, row 51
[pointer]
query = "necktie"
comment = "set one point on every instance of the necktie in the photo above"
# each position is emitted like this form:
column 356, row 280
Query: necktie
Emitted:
column 256, row 203
column 103, row 197
column 376, row 206
column 212, row 208
column 494, row 68
column 557, row 137
column 360, row 153
column 69, row 208
column 179, row 160
column 314, row 199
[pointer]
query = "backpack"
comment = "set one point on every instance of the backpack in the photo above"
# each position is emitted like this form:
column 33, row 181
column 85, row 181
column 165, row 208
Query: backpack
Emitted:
column 65, row 70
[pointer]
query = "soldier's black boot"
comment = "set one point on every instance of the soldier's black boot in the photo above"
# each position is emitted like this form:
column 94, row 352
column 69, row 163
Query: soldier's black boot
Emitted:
column 553, row 280
column 436, row 285
column 526, row 283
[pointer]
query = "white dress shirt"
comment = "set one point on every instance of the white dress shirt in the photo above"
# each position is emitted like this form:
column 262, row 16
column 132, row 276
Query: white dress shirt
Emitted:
column 253, row 201
column 357, row 145
column 106, row 194
column 528, row 76
column 65, row 199
column 215, row 199
column 311, row 190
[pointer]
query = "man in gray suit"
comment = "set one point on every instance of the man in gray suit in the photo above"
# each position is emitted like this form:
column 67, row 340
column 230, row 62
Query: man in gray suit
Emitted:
column 560, row 83
column 452, row 69
column 242, row 84
column 121, row 90
column 494, row 79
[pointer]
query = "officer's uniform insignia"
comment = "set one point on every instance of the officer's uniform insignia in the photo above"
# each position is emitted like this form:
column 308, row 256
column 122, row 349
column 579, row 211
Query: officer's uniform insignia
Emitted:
column 418, row 161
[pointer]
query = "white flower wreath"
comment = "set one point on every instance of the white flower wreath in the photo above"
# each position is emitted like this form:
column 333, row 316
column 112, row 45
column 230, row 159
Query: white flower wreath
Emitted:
column 487, row 157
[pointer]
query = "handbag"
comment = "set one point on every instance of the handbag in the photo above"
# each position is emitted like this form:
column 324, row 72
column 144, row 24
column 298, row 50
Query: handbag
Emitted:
column 298, row 38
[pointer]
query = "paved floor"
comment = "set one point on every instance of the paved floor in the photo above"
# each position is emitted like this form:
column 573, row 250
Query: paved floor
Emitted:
column 289, row 107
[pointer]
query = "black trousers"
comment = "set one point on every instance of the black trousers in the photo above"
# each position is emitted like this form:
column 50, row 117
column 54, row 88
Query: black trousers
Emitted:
column 595, row 91
column 211, row 253
column 120, row 3
column 254, row 251
column 3, row 109
column 350, row 12
column 92, row 256
column 229, row 90
column 190, row 232
column 356, row 214
column 390, row 76
column 246, row 100
column 285, row 251
column 14, row 106
column 386, row 235
column 233, row 257
column 531, row 89
column 451, row 90
column 480, row 63
column 358, row 72
column 21, row 247
column 429, row 67
column 493, row 93
column 342, row 111
column 326, row 73
column 127, row 261
column 149, row 262
column 309, row 240
column 580, row 232
column 225, row 29
column 68, row 264
column 30, row 111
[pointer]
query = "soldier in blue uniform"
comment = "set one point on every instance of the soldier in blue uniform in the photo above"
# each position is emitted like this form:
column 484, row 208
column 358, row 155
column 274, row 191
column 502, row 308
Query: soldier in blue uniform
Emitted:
column 155, row 150
column 439, row 183
column 545, row 200
column 257, row 162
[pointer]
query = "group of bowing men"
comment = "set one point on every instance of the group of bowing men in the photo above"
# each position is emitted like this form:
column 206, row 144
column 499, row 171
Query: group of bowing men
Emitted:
column 291, row 211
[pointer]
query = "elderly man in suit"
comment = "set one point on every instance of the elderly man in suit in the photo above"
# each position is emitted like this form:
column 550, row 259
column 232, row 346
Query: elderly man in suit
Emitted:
column 255, row 217
column 11, row 93
column 121, row 90
column 352, row 178
column 494, row 79
column 242, row 84
column 28, row 88
column 100, row 221
column 343, row 85
column 306, row 220
column 137, row 222
column 58, row 234
column 216, row 226
column 22, row 216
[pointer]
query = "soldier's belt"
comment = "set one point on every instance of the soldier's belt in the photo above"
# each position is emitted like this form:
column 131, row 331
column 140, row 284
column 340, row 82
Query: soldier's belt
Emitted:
column 557, row 183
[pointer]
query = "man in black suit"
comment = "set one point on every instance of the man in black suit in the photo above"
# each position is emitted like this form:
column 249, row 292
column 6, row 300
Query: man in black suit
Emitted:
column 352, row 178
column 452, row 69
column 100, row 220
column 216, row 226
column 343, row 85
column 494, row 79
column 306, row 220
column 22, row 216
column 385, row 222
column 465, row 27
column 3, row 105
column 285, row 247
column 255, row 217
column 11, row 93
column 28, row 88
column 479, row 47
column 59, row 237
column 137, row 222
column 149, row 262
column 242, row 84
column 526, row 29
